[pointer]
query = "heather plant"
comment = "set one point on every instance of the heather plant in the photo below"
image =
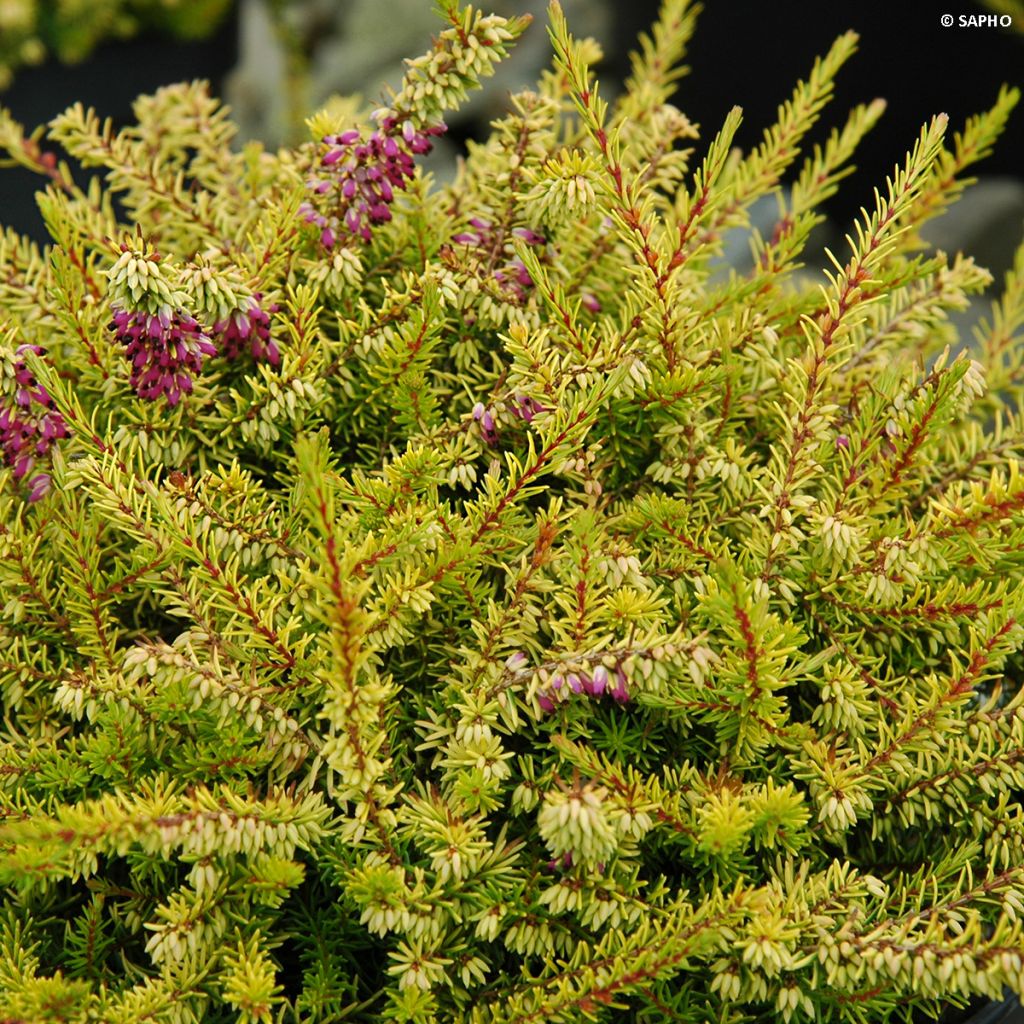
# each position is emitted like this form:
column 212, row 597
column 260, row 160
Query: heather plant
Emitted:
column 475, row 603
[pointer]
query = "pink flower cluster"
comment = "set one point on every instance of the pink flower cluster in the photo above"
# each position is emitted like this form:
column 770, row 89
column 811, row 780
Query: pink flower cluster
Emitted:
column 596, row 684
column 29, row 426
column 526, row 407
column 565, row 862
column 165, row 349
column 252, row 326
column 362, row 175
column 512, row 276
column 561, row 686
column 485, row 418
column 522, row 406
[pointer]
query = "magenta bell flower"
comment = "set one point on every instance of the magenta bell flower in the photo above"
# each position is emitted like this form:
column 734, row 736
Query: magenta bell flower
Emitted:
column 252, row 326
column 526, row 407
column 620, row 691
column 38, row 486
column 485, row 418
column 28, row 391
column 563, row 862
column 598, row 681
column 529, row 236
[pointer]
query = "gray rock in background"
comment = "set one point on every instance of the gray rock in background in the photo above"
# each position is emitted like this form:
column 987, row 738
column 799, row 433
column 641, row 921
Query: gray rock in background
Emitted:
column 255, row 88
column 987, row 222
column 358, row 47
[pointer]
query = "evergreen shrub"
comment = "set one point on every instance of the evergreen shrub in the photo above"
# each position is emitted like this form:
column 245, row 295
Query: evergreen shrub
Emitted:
column 476, row 603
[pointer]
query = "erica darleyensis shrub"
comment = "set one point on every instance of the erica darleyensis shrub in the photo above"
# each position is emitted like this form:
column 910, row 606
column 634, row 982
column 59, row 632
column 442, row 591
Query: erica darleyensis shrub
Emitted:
column 475, row 603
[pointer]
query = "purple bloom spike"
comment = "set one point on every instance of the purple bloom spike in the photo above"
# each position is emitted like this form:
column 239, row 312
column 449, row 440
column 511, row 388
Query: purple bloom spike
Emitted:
column 518, row 268
column 29, row 426
column 363, row 175
column 562, row 863
column 165, row 351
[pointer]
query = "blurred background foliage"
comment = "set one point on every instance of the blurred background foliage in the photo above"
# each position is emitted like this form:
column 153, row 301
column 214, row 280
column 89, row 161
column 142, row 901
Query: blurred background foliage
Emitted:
column 70, row 30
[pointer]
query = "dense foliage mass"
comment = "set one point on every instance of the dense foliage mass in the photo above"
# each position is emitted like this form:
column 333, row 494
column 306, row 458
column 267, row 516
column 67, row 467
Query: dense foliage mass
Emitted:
column 477, row 603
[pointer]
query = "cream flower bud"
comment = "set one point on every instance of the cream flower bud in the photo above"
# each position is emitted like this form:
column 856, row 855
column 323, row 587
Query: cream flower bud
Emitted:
column 575, row 821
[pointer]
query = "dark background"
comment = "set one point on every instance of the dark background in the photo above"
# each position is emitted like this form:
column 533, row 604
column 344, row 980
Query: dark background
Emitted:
column 743, row 53
column 752, row 54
